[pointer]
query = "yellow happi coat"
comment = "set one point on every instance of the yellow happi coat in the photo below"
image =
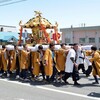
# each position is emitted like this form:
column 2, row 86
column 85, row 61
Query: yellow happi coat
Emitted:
column 32, row 59
column 4, row 59
column 19, row 58
column 0, row 59
column 24, row 60
column 96, row 59
column 28, row 60
column 36, row 61
column 12, row 60
column 60, row 59
column 49, row 60
column 36, row 67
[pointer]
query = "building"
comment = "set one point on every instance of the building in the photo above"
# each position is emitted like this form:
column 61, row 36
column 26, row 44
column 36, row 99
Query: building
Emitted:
column 5, row 28
column 8, row 34
column 81, row 35
column 8, row 38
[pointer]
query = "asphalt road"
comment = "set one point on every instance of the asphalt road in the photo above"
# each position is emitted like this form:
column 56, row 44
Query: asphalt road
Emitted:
column 37, row 90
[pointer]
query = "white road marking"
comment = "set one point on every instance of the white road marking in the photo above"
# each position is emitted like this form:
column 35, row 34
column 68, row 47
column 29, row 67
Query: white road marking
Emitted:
column 54, row 90
column 69, row 93
column 18, row 99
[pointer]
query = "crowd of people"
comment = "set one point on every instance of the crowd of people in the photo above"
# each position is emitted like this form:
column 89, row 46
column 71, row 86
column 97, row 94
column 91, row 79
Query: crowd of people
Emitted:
column 54, row 65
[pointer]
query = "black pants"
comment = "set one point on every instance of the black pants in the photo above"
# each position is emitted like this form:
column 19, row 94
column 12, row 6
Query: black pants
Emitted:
column 74, row 74
column 30, row 66
column 89, row 70
column 1, row 71
column 81, row 66
column 17, row 66
column 61, row 73
column 23, row 73
column 42, row 70
column 48, row 78
column 54, row 73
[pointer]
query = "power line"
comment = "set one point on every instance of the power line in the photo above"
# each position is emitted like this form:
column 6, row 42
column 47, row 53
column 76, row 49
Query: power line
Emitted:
column 5, row 4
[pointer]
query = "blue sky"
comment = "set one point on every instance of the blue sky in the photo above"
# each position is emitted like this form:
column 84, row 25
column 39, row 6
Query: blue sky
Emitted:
column 65, row 12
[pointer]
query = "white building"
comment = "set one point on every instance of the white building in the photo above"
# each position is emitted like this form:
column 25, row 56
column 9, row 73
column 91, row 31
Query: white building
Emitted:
column 5, row 28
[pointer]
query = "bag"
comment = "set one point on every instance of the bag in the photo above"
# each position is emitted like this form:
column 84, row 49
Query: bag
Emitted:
column 75, row 74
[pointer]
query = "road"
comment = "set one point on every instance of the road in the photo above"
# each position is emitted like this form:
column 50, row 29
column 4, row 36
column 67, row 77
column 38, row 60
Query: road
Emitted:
column 17, row 90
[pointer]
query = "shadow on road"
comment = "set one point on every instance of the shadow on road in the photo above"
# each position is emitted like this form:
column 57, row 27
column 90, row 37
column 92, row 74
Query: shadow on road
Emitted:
column 94, row 94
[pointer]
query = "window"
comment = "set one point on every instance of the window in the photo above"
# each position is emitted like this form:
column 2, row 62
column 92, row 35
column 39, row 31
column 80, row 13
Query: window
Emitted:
column 67, row 40
column 99, row 39
column 91, row 40
column 81, row 40
column 1, row 29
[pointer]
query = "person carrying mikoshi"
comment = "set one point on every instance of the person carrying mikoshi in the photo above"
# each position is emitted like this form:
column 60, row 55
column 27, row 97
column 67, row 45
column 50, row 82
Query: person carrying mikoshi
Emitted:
column 81, row 59
column 11, row 61
column 24, row 62
column 71, row 66
column 1, row 67
column 4, row 59
column 95, row 60
column 32, row 52
column 49, row 62
column 61, row 59
column 38, row 62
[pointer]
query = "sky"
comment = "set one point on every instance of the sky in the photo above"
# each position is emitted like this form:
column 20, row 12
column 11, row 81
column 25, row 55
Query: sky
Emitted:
column 64, row 12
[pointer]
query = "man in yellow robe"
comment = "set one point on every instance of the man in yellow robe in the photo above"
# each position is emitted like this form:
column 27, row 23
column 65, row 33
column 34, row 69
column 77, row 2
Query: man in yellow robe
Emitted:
column 32, row 62
column 49, row 61
column 36, row 68
column 1, row 68
column 17, row 61
column 11, row 61
column 61, row 59
column 95, row 63
column 24, row 62
column 38, row 62
column 4, row 59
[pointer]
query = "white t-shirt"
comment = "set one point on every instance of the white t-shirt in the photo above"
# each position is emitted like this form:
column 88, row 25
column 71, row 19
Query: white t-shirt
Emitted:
column 80, row 59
